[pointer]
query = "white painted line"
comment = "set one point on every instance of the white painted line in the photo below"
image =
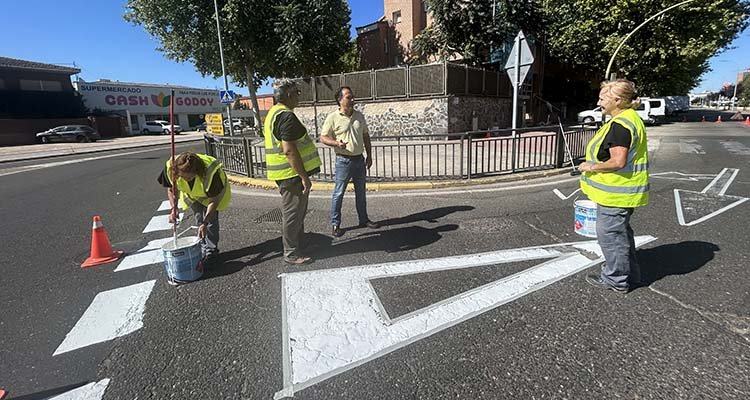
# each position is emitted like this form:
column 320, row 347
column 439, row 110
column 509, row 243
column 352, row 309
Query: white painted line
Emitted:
column 58, row 163
column 332, row 322
column 717, row 209
column 681, row 176
column 711, row 201
column 720, row 184
column 735, row 147
column 151, row 254
column 164, row 206
column 91, row 391
column 691, row 146
column 562, row 196
column 112, row 314
column 653, row 145
column 160, row 223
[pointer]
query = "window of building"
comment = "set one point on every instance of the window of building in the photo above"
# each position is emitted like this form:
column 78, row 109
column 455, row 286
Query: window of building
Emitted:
column 40, row 85
column 397, row 17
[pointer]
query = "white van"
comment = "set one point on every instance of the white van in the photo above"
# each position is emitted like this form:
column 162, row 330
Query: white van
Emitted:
column 657, row 105
column 591, row 116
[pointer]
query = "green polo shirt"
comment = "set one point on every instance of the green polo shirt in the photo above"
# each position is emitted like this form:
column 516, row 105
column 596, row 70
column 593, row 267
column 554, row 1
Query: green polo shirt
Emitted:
column 348, row 129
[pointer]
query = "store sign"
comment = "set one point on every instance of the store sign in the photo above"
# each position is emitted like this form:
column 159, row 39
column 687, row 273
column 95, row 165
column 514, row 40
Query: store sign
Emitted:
column 147, row 99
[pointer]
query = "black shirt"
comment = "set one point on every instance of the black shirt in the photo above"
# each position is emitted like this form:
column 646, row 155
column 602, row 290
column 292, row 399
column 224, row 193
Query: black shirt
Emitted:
column 618, row 135
column 213, row 191
column 288, row 128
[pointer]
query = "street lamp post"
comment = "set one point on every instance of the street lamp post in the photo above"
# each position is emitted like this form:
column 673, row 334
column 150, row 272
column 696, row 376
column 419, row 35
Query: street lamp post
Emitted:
column 223, row 69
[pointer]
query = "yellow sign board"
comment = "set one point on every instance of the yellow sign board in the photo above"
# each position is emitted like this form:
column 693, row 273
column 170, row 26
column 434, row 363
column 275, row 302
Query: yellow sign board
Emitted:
column 215, row 129
column 214, row 119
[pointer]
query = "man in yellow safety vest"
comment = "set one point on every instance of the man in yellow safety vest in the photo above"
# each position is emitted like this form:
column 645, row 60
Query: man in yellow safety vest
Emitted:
column 291, row 157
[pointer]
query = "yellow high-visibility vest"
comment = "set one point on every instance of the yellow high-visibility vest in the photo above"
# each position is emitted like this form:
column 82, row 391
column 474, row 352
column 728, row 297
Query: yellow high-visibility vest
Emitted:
column 627, row 187
column 198, row 192
column 277, row 165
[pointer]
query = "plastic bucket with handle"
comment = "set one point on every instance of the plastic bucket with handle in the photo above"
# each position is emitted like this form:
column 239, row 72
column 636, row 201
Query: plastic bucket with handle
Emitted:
column 182, row 259
column 585, row 218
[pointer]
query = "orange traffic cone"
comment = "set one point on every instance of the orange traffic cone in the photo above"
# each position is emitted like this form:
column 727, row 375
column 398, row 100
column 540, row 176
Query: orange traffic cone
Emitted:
column 747, row 121
column 718, row 119
column 101, row 250
column 2, row 394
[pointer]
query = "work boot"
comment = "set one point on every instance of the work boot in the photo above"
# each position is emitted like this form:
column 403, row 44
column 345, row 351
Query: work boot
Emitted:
column 596, row 281
column 370, row 224
column 337, row 231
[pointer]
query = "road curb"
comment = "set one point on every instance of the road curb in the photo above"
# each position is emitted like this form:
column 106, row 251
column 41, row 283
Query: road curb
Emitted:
column 412, row 185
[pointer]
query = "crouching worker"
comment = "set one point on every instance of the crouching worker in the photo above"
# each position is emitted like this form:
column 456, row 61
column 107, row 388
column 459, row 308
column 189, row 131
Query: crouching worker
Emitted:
column 202, row 186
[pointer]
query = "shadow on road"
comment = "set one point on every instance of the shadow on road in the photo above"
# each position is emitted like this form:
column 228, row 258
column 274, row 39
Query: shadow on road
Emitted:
column 46, row 394
column 233, row 261
column 429, row 215
column 674, row 259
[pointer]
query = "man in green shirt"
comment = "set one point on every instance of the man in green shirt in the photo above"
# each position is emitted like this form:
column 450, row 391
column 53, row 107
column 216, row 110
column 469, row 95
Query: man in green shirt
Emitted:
column 346, row 131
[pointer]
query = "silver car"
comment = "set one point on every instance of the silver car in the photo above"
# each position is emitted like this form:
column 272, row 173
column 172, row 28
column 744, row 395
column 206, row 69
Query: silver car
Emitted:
column 69, row 133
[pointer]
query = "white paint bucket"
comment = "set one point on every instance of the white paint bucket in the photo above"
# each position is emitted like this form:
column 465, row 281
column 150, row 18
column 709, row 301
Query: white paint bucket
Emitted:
column 585, row 218
column 182, row 259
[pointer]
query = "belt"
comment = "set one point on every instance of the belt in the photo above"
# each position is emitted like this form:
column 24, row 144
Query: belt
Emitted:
column 349, row 157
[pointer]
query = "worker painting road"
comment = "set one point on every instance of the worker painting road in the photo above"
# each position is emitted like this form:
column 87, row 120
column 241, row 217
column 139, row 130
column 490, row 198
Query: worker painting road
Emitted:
column 476, row 292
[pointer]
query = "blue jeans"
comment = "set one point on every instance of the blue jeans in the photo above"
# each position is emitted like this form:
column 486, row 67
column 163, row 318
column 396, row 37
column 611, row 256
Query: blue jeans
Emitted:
column 347, row 169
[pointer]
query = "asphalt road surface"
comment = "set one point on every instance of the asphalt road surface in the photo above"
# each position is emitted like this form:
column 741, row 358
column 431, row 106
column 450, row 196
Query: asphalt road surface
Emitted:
column 472, row 292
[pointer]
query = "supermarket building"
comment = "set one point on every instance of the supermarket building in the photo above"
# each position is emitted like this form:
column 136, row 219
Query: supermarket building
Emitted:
column 141, row 102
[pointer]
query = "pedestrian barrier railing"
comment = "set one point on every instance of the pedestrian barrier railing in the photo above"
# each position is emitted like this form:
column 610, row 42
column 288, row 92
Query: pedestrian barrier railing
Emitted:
column 465, row 155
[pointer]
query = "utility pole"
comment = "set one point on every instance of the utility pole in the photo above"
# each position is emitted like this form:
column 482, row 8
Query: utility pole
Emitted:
column 223, row 69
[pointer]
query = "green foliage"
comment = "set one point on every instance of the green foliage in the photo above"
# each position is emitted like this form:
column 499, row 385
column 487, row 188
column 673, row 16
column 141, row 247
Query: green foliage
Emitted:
column 261, row 39
column 468, row 29
column 743, row 91
column 666, row 56
column 350, row 60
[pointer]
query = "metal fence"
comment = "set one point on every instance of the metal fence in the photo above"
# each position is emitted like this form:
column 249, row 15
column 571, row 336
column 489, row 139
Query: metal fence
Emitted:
column 438, row 79
column 428, row 157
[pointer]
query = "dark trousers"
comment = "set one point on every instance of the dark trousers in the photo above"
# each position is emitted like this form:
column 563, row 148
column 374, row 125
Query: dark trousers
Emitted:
column 293, row 211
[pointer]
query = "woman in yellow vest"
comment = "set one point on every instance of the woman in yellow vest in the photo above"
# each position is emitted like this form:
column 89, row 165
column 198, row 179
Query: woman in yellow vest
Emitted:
column 615, row 177
column 203, row 187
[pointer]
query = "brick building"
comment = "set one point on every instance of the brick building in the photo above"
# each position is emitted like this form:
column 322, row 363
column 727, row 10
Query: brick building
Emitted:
column 387, row 41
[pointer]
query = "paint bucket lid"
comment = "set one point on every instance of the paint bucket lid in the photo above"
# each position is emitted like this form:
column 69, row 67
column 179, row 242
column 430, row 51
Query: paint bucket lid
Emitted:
column 585, row 204
column 182, row 243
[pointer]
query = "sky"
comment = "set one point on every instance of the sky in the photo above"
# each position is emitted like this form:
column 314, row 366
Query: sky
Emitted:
column 93, row 35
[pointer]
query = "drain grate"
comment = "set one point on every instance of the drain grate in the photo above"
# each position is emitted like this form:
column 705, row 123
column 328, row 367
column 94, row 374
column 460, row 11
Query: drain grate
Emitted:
column 271, row 216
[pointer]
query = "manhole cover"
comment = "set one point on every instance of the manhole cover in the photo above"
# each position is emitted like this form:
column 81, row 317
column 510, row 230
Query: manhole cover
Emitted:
column 271, row 216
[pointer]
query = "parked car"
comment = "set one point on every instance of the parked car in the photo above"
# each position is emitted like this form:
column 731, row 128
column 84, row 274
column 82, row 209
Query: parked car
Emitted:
column 237, row 124
column 159, row 126
column 590, row 116
column 69, row 133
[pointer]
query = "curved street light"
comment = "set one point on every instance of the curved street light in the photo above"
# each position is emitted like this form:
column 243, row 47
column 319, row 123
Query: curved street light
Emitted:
column 606, row 74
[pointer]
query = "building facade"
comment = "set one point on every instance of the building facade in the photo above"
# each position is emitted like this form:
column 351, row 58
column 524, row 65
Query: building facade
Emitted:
column 387, row 41
column 141, row 102
column 23, row 75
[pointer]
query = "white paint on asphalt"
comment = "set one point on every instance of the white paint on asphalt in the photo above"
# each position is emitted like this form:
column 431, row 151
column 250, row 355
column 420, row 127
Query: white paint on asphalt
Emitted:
column 333, row 321
column 691, row 146
column 735, row 147
column 164, row 206
column 653, row 145
column 695, row 207
column 91, row 391
column 151, row 254
column 562, row 196
column 112, row 314
column 679, row 176
column 160, row 223
column 35, row 167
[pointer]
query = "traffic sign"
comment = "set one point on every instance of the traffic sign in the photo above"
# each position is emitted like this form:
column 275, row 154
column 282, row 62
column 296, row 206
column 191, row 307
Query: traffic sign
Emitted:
column 526, row 59
column 215, row 129
column 214, row 119
column 227, row 96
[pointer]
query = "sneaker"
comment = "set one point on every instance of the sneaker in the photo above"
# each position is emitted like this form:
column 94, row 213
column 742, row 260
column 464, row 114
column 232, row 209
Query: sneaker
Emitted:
column 297, row 260
column 370, row 224
column 175, row 282
column 596, row 281
column 337, row 231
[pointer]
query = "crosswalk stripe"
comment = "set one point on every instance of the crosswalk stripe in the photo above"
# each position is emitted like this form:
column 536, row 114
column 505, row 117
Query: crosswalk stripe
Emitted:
column 151, row 254
column 164, row 206
column 112, row 314
column 160, row 223
column 691, row 146
column 735, row 147
column 91, row 391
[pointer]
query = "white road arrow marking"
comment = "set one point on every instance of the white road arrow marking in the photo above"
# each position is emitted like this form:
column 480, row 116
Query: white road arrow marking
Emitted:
column 696, row 207
column 691, row 146
column 679, row 176
column 91, row 391
column 333, row 321
column 562, row 196
column 112, row 314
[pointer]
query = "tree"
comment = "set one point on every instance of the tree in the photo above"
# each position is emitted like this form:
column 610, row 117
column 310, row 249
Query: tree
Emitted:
column 261, row 38
column 667, row 56
column 743, row 91
column 469, row 29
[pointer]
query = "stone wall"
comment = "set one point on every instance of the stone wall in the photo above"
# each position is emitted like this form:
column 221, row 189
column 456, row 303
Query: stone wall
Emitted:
column 407, row 117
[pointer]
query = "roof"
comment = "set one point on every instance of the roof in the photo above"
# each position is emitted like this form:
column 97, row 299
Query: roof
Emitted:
column 369, row 27
column 14, row 63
